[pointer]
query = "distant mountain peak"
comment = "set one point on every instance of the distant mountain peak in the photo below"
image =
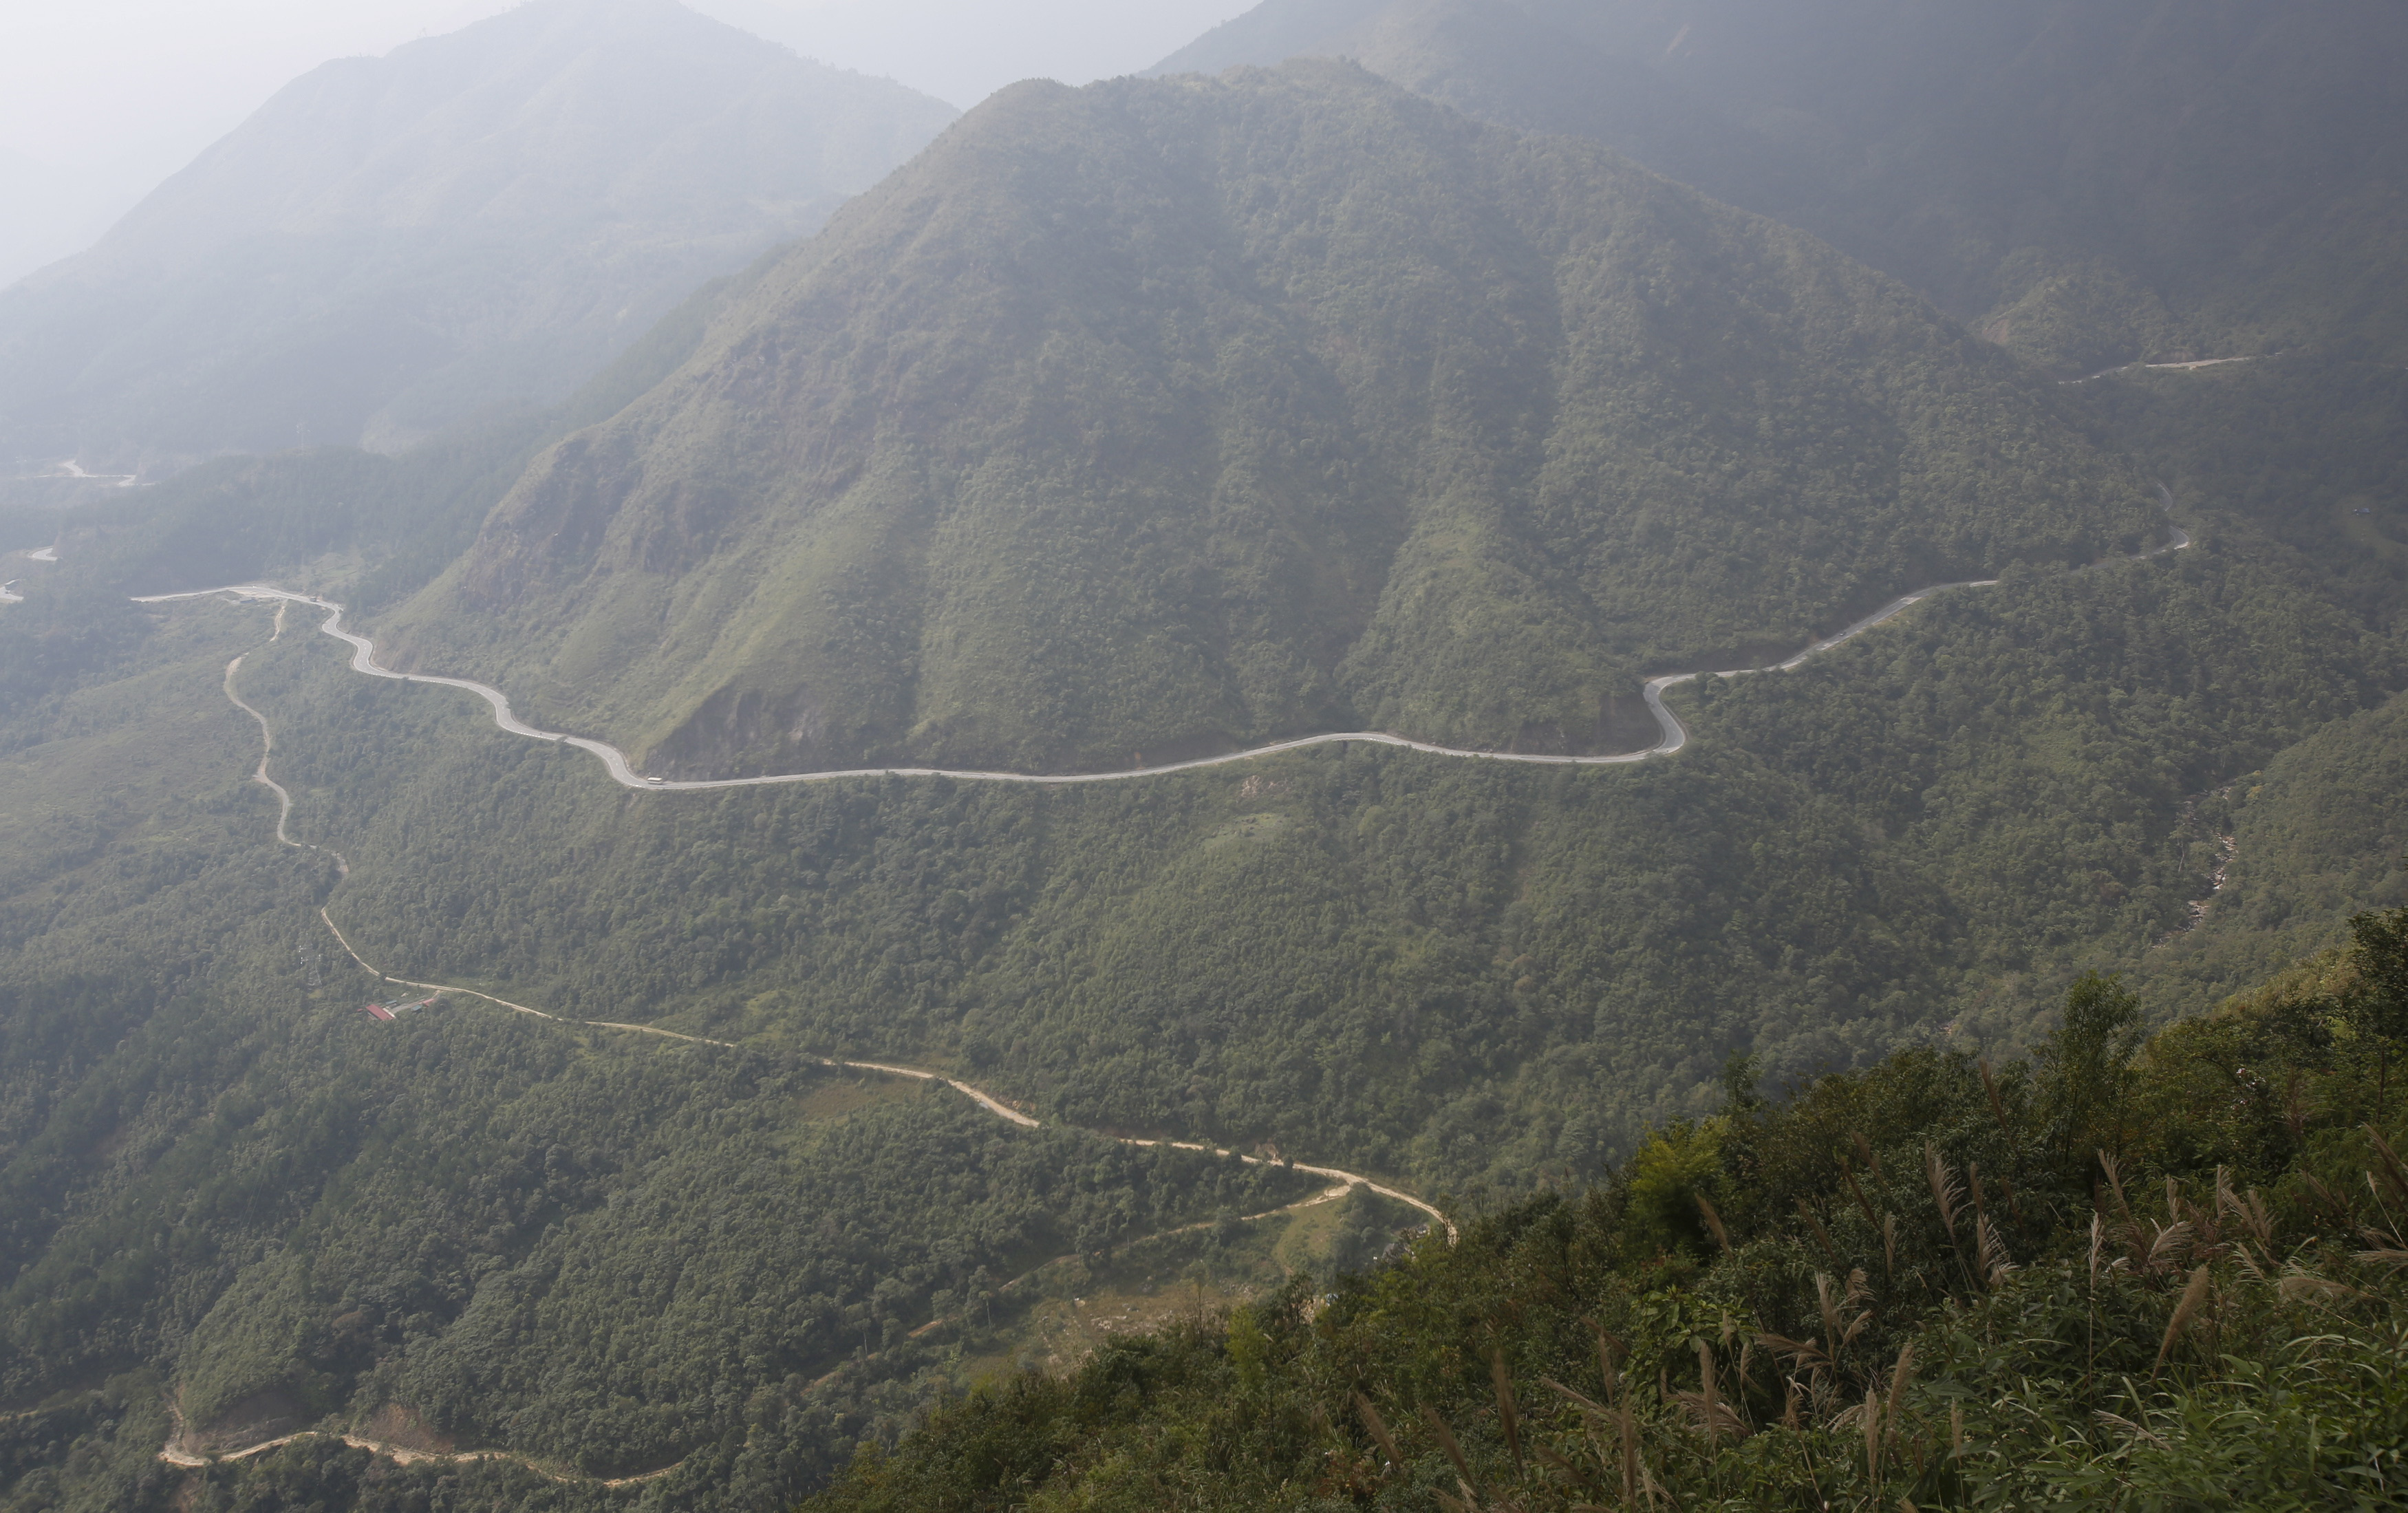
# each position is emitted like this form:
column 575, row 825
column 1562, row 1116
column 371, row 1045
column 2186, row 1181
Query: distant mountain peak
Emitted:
column 475, row 218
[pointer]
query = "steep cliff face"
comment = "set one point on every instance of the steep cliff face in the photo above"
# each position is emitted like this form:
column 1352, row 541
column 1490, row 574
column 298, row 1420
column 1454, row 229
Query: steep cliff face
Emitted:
column 478, row 220
column 1165, row 415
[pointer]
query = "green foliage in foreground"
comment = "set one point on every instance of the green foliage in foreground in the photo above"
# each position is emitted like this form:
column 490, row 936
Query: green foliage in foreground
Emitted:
column 2098, row 1280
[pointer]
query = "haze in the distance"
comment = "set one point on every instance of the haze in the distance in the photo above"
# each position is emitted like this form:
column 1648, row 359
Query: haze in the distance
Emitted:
column 102, row 100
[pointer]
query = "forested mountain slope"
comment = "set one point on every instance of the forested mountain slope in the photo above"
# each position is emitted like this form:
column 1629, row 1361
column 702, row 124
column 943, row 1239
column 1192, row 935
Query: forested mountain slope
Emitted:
column 477, row 221
column 1161, row 416
column 2089, row 183
column 1454, row 970
column 2119, row 1275
column 233, row 1206
column 1153, row 417
column 2304, row 450
column 487, row 1231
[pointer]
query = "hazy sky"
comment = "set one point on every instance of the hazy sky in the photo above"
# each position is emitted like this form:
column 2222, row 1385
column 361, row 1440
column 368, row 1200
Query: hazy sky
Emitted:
column 100, row 99
column 963, row 51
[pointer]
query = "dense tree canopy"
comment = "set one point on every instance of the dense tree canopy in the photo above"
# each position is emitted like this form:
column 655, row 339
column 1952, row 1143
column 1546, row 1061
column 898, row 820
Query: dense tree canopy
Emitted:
column 2088, row 1280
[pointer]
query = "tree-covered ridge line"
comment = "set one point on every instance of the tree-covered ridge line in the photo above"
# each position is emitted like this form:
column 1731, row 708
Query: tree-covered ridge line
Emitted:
column 2132, row 1271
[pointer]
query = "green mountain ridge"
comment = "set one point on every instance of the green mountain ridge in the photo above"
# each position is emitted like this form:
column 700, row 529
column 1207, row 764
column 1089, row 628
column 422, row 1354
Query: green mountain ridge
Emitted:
column 476, row 222
column 603, row 1250
column 1163, row 417
column 2087, row 182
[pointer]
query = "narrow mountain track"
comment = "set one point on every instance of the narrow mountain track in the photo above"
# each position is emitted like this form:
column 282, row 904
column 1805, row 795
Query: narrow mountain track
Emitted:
column 980, row 1096
column 1340, row 1181
column 175, row 1454
column 1675, row 736
column 267, row 750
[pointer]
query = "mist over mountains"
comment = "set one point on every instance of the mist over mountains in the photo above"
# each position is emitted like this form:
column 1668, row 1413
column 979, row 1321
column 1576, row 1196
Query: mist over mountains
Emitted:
column 2087, row 183
column 476, row 222
column 402, row 1110
column 54, row 213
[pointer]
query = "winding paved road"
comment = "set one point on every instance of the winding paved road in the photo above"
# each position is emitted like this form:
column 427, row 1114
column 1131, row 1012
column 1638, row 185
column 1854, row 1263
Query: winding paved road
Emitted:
column 1675, row 736
column 1672, row 738
column 2202, row 362
column 267, row 749
column 72, row 468
column 7, row 595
